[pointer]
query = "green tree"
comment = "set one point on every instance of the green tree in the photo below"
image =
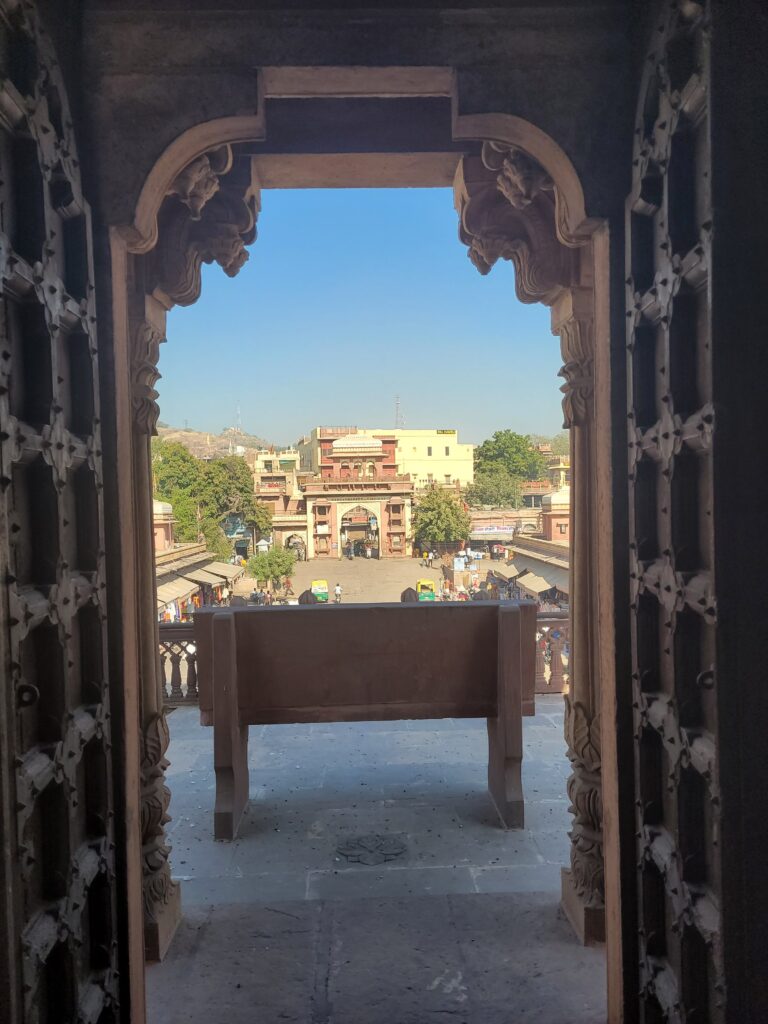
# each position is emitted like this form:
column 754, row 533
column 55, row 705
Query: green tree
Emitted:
column 561, row 443
column 438, row 516
column 495, row 486
column 272, row 565
column 227, row 489
column 174, row 468
column 513, row 452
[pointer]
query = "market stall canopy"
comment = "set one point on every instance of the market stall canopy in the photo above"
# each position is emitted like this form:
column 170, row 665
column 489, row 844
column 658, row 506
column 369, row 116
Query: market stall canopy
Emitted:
column 534, row 584
column 204, row 576
column 229, row 572
column 176, row 590
column 550, row 569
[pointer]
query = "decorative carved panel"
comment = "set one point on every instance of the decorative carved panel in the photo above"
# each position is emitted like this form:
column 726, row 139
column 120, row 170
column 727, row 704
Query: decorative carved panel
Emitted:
column 58, row 799
column 674, row 609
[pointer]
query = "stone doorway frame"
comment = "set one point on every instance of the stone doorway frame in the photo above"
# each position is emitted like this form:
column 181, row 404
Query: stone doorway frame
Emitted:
column 191, row 167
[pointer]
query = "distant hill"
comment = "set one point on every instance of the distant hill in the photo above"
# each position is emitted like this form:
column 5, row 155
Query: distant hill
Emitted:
column 206, row 445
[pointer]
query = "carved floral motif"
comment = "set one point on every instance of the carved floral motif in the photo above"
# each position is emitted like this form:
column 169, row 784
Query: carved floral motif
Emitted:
column 582, row 734
column 144, row 375
column 158, row 886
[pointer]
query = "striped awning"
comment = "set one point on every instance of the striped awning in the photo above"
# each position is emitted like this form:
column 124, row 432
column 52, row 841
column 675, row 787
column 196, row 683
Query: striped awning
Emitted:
column 175, row 590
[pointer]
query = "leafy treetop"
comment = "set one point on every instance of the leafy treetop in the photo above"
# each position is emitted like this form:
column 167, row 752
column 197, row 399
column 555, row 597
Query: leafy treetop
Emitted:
column 495, row 486
column 204, row 493
column 513, row 452
column 272, row 565
column 439, row 516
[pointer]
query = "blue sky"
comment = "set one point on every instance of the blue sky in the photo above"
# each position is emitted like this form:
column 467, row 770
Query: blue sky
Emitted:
column 351, row 297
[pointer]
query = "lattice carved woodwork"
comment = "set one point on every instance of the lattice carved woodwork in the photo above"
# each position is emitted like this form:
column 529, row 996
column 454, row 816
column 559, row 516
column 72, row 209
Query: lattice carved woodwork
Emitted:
column 673, row 602
column 56, row 707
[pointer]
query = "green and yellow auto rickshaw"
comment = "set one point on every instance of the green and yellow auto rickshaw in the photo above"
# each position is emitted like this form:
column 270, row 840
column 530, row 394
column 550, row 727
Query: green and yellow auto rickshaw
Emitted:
column 320, row 589
column 425, row 590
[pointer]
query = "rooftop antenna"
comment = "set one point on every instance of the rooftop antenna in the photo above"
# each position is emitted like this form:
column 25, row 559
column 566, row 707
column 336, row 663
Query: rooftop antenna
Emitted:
column 238, row 420
column 399, row 421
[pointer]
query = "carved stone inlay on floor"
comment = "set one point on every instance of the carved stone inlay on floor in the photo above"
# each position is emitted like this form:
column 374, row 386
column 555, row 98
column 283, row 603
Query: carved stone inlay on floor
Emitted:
column 370, row 849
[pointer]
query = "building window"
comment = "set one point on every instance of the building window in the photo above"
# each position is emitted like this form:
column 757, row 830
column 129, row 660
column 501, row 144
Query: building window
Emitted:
column 447, row 451
column 429, row 478
column 429, row 450
column 447, row 478
column 562, row 527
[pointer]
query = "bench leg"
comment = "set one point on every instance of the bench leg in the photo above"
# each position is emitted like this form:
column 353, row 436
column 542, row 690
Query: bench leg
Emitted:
column 505, row 783
column 505, row 731
column 230, row 738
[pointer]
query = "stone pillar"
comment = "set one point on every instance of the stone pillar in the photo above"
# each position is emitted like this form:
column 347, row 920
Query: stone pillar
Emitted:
column 162, row 896
column 583, row 888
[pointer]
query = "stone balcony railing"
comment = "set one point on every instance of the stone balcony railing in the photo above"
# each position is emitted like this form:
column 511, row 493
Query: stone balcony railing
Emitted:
column 178, row 664
column 178, row 658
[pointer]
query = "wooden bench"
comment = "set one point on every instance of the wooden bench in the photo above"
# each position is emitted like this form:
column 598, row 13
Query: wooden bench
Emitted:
column 350, row 663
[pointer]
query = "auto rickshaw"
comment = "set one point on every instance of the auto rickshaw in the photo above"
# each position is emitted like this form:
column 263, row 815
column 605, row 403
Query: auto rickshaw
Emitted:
column 425, row 590
column 320, row 589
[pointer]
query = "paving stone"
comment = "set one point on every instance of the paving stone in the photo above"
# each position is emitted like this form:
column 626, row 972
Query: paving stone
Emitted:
column 464, row 925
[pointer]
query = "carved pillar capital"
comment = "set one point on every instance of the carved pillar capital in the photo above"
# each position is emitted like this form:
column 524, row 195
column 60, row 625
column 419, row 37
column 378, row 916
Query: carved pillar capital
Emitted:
column 572, row 320
column 146, row 340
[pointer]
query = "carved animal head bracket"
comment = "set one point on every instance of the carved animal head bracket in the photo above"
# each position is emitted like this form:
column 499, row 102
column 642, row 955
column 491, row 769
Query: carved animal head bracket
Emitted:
column 506, row 207
column 199, row 181
column 520, row 178
column 206, row 217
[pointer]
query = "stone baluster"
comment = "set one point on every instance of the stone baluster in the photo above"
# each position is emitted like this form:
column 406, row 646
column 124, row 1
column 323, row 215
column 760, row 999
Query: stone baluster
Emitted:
column 177, row 694
column 192, row 695
column 540, row 683
column 583, row 885
column 556, row 674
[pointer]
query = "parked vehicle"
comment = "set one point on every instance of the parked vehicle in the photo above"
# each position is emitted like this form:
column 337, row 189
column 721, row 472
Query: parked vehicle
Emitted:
column 320, row 589
column 425, row 590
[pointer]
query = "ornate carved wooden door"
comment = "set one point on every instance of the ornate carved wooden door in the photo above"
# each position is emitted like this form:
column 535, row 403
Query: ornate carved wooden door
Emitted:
column 674, row 612
column 58, row 903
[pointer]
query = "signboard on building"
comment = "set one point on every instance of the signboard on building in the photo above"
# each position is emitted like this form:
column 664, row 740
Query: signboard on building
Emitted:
column 446, row 431
column 322, row 530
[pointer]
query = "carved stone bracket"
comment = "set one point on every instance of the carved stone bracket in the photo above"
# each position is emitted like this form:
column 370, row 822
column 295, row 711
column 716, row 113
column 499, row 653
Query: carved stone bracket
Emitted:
column 506, row 207
column 207, row 217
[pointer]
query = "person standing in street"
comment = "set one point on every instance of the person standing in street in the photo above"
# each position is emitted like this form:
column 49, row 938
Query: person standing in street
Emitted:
column 337, row 594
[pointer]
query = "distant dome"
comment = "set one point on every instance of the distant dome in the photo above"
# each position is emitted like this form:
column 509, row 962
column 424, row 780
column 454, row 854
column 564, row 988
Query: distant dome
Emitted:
column 161, row 508
column 352, row 441
column 557, row 499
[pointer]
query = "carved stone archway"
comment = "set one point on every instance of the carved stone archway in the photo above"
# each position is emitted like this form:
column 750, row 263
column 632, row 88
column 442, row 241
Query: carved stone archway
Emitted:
column 523, row 204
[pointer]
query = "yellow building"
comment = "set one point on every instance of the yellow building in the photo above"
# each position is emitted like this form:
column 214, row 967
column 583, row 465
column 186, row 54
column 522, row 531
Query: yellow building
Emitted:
column 427, row 456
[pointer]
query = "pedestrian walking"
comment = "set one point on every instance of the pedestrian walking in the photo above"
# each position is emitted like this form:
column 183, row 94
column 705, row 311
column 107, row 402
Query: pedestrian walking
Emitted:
column 337, row 594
